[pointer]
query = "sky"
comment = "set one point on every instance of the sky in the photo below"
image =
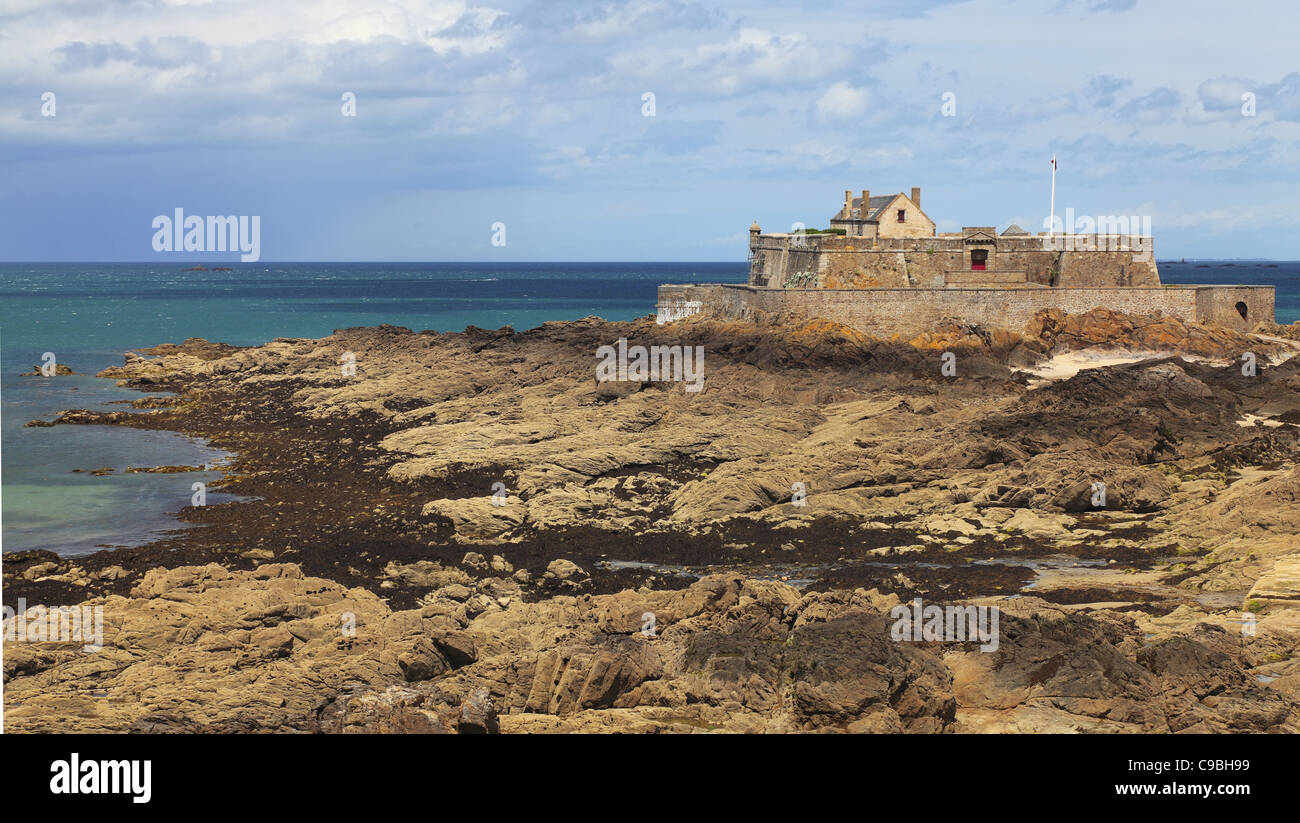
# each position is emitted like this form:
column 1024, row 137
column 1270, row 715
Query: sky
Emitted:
column 529, row 124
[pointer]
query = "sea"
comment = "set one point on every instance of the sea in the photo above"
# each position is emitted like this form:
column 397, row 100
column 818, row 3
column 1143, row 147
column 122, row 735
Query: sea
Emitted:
column 89, row 314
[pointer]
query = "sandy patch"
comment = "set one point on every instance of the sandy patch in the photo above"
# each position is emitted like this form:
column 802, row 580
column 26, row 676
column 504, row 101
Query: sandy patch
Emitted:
column 1067, row 364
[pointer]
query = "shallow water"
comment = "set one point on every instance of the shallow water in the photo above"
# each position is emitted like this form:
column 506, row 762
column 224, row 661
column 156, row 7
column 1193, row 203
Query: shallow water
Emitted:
column 88, row 315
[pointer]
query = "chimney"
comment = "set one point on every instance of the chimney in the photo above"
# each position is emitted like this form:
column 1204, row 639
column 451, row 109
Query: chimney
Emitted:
column 848, row 204
column 866, row 203
column 916, row 196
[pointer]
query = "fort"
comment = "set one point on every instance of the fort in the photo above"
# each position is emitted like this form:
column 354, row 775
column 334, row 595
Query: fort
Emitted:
column 883, row 269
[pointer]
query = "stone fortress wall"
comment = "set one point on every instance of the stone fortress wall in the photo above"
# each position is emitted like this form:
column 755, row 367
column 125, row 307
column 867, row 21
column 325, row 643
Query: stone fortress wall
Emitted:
column 908, row 312
column 830, row 261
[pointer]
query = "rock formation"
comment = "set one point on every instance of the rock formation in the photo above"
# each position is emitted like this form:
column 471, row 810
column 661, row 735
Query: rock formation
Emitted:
column 467, row 535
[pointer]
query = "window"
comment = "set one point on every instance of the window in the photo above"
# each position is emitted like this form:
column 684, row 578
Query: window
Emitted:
column 902, row 215
column 979, row 259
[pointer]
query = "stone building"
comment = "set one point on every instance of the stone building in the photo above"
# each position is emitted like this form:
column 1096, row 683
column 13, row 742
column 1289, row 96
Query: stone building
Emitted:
column 891, row 243
column 890, row 215
column 883, row 268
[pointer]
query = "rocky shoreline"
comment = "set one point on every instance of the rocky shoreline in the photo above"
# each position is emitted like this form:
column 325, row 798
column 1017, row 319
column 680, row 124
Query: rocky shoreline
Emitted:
column 371, row 495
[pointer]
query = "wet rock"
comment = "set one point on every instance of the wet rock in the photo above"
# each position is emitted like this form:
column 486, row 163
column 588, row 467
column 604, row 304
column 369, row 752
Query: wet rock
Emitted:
column 60, row 370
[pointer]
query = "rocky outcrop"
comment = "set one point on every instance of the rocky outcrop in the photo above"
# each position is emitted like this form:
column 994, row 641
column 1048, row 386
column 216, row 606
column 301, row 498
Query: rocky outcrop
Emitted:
column 1290, row 331
column 60, row 370
column 1053, row 330
column 200, row 648
column 500, row 525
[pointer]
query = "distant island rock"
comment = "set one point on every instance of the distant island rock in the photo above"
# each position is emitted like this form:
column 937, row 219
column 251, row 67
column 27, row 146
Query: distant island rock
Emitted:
column 60, row 370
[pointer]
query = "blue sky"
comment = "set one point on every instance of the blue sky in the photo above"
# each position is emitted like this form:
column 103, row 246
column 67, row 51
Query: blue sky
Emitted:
column 531, row 114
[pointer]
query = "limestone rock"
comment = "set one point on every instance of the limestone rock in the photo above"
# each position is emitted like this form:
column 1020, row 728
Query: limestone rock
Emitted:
column 564, row 574
column 477, row 518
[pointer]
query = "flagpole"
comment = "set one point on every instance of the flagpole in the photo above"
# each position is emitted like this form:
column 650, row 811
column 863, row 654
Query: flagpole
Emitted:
column 1052, row 224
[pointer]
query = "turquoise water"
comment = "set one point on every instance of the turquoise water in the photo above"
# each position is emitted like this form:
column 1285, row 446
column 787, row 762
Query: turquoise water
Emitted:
column 89, row 314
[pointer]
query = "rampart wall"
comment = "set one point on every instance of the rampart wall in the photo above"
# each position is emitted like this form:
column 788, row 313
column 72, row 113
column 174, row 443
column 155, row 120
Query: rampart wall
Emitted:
column 884, row 312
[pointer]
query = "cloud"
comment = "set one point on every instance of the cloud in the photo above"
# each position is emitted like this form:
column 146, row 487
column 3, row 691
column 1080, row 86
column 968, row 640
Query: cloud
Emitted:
column 1223, row 93
column 1103, row 88
column 602, row 22
column 841, row 102
column 1227, row 96
column 751, row 60
column 1283, row 98
column 763, row 109
column 1153, row 107
column 1111, row 5
column 1114, row 6
column 680, row 137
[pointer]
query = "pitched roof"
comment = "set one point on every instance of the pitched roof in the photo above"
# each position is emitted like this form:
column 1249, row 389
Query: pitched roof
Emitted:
column 1014, row 229
column 875, row 205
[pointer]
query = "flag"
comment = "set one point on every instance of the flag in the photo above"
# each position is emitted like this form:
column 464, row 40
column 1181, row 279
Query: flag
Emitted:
column 1053, row 162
